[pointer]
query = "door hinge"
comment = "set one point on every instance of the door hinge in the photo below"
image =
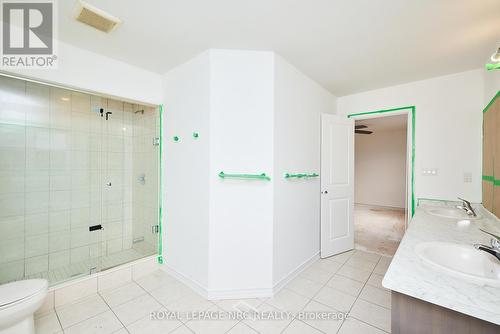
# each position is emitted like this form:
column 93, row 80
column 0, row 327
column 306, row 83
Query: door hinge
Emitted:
column 156, row 141
column 155, row 229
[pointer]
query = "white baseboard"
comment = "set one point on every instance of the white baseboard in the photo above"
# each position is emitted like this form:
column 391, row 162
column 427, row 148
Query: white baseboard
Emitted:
column 294, row 273
column 196, row 286
column 240, row 293
column 217, row 294
column 376, row 206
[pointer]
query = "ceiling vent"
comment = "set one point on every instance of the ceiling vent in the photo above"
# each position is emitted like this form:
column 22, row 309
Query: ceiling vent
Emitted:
column 96, row 17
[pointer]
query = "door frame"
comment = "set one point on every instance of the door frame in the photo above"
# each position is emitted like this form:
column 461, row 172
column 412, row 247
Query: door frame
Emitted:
column 410, row 148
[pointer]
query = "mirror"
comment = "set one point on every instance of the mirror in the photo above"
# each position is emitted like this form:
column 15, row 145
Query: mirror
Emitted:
column 491, row 156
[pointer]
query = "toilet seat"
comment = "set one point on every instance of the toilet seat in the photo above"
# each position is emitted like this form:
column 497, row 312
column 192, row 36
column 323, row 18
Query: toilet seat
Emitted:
column 15, row 292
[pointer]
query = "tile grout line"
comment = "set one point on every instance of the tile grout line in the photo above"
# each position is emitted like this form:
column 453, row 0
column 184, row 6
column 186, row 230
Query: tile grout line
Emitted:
column 314, row 295
column 358, row 297
column 58, row 320
column 79, row 322
column 111, row 309
column 326, row 285
column 165, row 306
column 182, row 323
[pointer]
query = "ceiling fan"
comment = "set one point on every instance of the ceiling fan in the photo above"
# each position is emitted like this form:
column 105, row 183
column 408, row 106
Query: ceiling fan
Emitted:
column 357, row 129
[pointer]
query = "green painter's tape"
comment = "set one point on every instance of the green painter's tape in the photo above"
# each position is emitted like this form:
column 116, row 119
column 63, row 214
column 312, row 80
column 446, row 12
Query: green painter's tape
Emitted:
column 490, row 67
column 491, row 102
column 300, row 175
column 413, row 115
column 262, row 176
column 160, row 195
column 380, row 111
column 413, row 112
column 488, row 178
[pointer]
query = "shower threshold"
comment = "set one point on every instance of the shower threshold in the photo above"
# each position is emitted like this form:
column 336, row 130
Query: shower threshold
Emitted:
column 83, row 268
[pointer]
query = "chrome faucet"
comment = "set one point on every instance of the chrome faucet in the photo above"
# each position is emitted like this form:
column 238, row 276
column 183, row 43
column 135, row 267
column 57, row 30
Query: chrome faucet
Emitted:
column 495, row 245
column 467, row 206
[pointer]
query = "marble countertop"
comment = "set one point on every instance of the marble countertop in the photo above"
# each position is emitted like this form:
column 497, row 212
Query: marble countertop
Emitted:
column 407, row 273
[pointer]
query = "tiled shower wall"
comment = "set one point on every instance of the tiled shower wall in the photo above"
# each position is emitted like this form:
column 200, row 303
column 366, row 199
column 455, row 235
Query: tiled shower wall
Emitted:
column 56, row 156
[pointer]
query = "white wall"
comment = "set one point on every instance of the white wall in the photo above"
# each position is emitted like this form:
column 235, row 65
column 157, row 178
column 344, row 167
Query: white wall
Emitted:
column 299, row 102
column 85, row 70
column 186, row 169
column 448, row 129
column 241, row 141
column 380, row 168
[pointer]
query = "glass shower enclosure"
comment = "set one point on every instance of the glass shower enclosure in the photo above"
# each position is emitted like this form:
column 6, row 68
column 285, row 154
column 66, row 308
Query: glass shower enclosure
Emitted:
column 79, row 182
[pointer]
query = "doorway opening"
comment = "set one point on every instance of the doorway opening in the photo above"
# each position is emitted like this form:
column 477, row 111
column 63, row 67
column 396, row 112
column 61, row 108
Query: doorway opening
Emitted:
column 383, row 183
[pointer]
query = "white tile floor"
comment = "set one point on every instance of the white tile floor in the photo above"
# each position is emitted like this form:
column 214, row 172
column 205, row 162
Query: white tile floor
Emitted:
column 349, row 282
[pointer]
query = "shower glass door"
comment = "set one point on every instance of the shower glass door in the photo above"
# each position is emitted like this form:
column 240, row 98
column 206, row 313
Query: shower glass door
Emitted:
column 130, row 183
column 79, row 192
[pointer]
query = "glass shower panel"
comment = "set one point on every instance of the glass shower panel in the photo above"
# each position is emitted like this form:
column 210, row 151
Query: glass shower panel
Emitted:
column 45, row 164
column 130, row 210
column 71, row 163
column 114, row 192
column 12, row 179
column 145, row 180
column 128, row 175
column 72, row 245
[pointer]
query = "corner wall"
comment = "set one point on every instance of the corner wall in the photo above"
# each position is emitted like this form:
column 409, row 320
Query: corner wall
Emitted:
column 234, row 238
column 186, row 169
column 448, row 129
column 241, row 141
column 299, row 103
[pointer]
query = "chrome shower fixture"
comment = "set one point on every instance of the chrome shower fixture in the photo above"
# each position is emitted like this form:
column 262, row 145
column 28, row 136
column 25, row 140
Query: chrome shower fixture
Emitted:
column 496, row 56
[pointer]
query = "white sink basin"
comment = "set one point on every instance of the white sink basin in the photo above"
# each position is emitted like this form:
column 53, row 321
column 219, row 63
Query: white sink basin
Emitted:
column 463, row 261
column 452, row 213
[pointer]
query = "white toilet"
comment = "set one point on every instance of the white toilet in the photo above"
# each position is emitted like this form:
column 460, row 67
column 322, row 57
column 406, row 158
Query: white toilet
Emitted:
column 18, row 302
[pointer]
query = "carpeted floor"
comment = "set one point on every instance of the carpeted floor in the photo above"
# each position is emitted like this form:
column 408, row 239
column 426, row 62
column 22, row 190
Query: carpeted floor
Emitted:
column 378, row 229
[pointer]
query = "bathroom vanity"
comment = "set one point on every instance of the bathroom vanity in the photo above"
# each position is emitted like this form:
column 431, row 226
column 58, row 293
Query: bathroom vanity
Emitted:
column 440, row 283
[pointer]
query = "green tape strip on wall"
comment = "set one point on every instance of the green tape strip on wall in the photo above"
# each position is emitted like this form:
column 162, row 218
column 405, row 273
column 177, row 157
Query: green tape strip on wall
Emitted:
column 491, row 102
column 488, row 178
column 160, row 195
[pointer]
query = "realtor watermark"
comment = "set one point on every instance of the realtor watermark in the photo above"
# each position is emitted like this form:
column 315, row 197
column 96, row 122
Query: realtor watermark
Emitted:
column 29, row 38
column 247, row 315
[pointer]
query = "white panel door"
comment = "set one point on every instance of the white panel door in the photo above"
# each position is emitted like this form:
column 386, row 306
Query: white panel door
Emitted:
column 337, row 184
